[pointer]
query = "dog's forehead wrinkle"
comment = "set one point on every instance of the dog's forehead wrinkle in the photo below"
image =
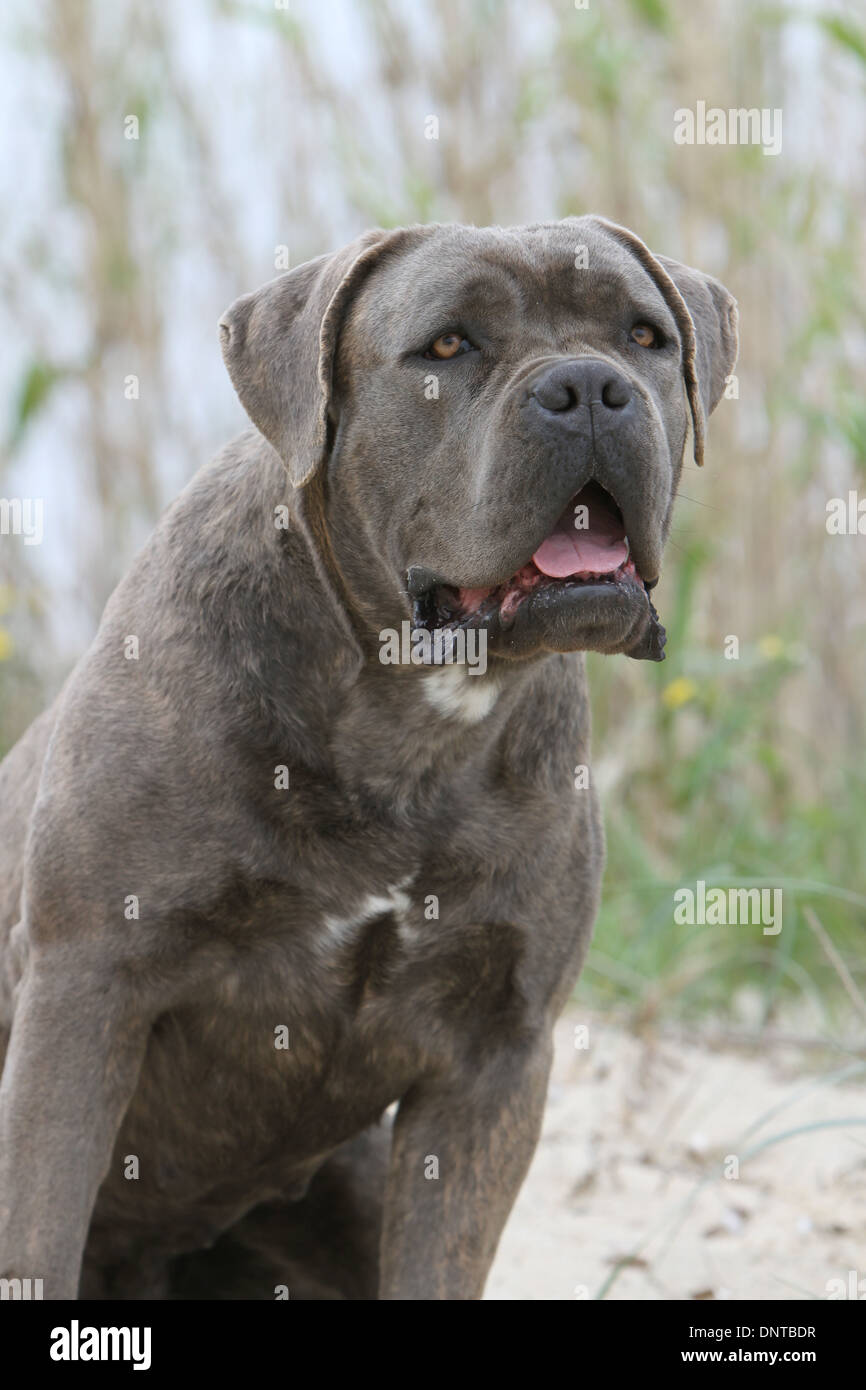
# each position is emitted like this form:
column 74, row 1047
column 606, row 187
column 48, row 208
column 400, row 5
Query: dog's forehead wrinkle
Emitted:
column 434, row 295
column 458, row 260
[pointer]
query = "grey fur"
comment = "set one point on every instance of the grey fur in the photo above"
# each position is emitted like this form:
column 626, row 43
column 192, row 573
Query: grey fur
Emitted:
column 259, row 907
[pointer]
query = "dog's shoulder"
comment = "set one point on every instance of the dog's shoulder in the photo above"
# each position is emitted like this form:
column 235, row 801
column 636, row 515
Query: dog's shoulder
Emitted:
column 225, row 582
column 209, row 665
column 233, row 527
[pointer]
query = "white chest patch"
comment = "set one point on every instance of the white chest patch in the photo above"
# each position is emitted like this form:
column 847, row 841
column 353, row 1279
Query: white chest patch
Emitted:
column 455, row 694
column 396, row 900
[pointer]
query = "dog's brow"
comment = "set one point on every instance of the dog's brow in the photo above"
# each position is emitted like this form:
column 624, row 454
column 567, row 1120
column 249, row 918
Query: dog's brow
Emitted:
column 613, row 290
column 484, row 287
column 479, row 290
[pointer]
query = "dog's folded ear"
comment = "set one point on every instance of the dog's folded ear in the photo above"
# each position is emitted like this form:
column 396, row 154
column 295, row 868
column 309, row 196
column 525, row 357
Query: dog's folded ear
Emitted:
column 713, row 310
column 706, row 315
column 278, row 345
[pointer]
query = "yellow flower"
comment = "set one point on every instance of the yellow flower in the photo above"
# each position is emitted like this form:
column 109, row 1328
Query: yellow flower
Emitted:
column 5, row 644
column 771, row 646
column 7, row 594
column 679, row 692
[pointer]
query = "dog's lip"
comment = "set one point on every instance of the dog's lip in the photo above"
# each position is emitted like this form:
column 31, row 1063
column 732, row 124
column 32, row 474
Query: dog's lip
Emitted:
column 445, row 606
column 613, row 598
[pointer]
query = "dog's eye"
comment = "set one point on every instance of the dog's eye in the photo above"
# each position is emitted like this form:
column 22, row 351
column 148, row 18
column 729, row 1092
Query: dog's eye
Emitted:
column 647, row 337
column 448, row 345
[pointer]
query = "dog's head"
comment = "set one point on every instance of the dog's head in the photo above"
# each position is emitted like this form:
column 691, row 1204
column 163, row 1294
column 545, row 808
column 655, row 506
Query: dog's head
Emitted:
column 497, row 420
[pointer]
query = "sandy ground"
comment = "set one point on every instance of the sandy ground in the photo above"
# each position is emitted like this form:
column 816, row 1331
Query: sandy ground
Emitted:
column 631, row 1165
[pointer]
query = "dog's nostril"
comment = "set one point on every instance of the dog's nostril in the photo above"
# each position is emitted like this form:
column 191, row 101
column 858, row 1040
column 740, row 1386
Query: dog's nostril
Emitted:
column 615, row 393
column 556, row 396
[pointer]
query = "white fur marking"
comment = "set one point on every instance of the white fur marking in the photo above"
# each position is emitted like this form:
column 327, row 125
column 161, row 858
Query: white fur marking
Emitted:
column 372, row 906
column 454, row 693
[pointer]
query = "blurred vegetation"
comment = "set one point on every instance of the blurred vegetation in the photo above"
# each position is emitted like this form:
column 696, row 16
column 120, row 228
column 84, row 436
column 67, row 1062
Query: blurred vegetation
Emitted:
column 263, row 125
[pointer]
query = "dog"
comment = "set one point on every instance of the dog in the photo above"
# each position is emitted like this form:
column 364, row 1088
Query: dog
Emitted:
column 285, row 925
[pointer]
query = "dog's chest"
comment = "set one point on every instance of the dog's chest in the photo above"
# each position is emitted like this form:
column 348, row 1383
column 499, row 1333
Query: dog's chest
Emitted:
column 302, row 1036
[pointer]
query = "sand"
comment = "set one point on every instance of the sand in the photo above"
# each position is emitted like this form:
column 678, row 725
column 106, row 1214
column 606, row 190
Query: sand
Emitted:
column 631, row 1167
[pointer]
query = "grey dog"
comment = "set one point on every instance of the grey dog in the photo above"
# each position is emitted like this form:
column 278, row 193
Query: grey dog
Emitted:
column 260, row 885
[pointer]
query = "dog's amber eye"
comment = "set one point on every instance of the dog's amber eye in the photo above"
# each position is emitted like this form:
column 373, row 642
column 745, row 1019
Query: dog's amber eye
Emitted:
column 645, row 336
column 449, row 345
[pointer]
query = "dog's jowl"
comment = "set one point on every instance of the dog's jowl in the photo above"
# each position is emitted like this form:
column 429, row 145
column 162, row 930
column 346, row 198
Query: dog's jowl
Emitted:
column 259, row 883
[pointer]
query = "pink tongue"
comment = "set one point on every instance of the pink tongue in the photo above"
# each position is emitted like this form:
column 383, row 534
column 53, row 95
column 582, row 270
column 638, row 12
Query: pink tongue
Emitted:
column 597, row 545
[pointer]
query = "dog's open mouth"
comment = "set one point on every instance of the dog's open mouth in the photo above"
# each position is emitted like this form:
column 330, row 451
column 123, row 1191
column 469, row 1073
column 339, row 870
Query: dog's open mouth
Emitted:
column 587, row 546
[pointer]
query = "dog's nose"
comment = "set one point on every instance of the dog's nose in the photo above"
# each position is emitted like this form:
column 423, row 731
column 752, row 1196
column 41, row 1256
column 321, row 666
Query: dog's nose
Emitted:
column 580, row 381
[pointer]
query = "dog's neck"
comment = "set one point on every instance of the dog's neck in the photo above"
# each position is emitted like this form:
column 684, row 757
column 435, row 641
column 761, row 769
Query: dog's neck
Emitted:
column 458, row 684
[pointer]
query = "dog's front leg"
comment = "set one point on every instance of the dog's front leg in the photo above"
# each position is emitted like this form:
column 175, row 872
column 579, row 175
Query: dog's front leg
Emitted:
column 74, row 1056
column 461, row 1149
